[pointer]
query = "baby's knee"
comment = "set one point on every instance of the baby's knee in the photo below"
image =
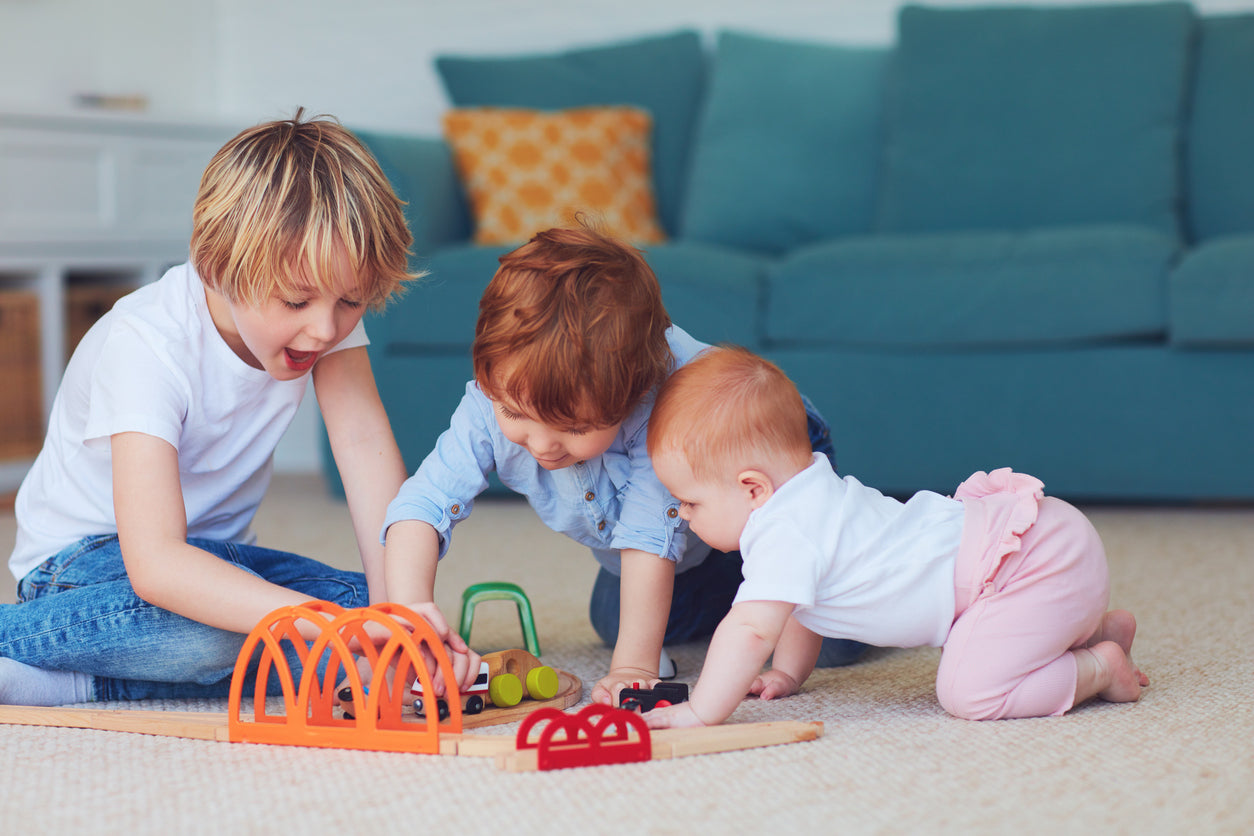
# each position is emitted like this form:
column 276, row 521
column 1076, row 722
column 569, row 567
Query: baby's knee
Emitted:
column 967, row 703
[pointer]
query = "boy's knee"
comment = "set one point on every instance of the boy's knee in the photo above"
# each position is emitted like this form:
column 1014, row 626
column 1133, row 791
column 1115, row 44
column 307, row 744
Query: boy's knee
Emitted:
column 202, row 656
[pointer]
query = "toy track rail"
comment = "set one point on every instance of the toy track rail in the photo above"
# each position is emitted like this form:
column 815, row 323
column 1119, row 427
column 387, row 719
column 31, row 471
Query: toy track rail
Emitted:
column 380, row 722
column 196, row 725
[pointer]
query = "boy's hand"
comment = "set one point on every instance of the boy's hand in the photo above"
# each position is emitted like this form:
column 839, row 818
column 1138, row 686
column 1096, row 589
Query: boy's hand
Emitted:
column 774, row 684
column 606, row 691
column 465, row 661
column 673, row 717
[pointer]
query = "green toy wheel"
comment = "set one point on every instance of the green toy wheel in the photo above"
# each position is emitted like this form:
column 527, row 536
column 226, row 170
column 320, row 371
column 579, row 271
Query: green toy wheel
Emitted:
column 542, row 683
column 505, row 690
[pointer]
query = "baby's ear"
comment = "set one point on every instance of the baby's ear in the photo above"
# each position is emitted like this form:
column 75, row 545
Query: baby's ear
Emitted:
column 756, row 485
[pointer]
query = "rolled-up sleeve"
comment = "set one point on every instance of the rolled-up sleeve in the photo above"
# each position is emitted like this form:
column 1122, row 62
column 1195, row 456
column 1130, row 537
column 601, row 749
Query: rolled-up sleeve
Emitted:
column 443, row 490
column 649, row 516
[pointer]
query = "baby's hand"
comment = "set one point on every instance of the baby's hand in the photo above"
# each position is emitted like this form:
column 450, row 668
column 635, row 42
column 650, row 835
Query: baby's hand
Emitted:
column 774, row 684
column 679, row 716
column 606, row 691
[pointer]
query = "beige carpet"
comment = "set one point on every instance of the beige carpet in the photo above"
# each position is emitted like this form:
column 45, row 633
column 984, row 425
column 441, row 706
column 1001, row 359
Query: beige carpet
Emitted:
column 1180, row 761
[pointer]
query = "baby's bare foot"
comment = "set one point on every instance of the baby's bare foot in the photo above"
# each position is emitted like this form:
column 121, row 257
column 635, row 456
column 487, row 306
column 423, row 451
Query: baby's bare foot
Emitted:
column 1118, row 626
column 1123, row 680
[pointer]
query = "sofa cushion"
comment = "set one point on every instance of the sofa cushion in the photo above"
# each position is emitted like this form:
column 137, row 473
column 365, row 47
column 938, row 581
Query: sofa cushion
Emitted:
column 1212, row 294
column 441, row 310
column 1220, row 183
column 1014, row 118
column 714, row 293
column 664, row 75
column 785, row 151
column 973, row 288
column 529, row 170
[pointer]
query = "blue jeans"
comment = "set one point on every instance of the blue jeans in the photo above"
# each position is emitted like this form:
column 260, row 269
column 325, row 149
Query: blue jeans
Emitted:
column 704, row 594
column 77, row 611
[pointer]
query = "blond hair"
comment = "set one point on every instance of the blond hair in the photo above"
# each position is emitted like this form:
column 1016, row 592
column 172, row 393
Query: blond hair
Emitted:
column 572, row 328
column 728, row 410
column 280, row 200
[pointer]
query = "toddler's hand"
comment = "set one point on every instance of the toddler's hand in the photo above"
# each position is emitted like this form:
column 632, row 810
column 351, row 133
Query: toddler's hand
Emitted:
column 606, row 691
column 679, row 716
column 774, row 684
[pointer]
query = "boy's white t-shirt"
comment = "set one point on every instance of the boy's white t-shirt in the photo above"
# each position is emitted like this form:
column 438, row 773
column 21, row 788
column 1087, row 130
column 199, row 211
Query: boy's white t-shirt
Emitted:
column 858, row 564
column 156, row 364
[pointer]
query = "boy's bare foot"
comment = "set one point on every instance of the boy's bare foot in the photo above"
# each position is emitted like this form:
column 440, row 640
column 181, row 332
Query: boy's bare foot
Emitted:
column 1106, row 671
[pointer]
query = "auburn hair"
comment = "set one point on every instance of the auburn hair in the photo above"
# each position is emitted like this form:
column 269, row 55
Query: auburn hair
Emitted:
column 572, row 329
column 727, row 410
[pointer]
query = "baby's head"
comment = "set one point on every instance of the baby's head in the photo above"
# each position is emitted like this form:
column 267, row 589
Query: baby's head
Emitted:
column 288, row 203
column 726, row 431
column 572, row 330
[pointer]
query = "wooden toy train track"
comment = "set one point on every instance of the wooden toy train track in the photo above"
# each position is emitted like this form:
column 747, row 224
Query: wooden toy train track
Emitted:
column 547, row 739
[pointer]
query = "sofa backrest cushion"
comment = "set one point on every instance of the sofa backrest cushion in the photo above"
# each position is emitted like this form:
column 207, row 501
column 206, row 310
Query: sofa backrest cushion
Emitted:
column 1220, row 138
column 1015, row 118
column 663, row 74
column 786, row 149
column 1052, row 286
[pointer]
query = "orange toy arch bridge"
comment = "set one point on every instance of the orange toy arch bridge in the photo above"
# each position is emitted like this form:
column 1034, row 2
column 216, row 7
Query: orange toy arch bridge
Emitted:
column 308, row 719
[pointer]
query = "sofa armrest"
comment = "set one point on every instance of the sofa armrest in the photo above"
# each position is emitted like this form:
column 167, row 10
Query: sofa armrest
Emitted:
column 422, row 172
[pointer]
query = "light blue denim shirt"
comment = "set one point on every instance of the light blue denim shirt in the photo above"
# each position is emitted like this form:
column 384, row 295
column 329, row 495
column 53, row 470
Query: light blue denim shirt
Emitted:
column 609, row 503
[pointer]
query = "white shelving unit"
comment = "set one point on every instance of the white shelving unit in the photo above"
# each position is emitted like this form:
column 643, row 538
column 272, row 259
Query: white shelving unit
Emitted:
column 92, row 198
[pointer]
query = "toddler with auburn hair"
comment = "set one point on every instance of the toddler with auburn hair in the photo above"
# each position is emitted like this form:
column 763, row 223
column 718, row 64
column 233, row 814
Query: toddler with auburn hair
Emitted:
column 571, row 343
column 1012, row 584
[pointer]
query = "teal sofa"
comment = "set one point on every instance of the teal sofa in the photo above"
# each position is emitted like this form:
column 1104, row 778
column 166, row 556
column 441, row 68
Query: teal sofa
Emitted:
column 1018, row 236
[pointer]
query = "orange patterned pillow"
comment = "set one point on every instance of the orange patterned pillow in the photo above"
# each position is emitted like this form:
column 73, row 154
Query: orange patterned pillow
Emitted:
column 529, row 170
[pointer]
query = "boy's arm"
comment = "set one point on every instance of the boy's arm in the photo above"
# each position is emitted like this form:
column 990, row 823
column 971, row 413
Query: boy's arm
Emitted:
column 741, row 644
column 365, row 451
column 645, row 603
column 164, row 569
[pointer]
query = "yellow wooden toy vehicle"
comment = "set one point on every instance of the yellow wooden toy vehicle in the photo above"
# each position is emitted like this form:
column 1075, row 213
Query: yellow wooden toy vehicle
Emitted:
column 505, row 678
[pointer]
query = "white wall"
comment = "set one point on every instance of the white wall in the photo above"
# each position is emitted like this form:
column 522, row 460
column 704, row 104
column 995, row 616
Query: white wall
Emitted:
column 366, row 61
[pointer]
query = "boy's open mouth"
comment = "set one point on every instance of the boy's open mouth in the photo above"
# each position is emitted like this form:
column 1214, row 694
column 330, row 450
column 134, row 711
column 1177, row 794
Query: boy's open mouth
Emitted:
column 299, row 361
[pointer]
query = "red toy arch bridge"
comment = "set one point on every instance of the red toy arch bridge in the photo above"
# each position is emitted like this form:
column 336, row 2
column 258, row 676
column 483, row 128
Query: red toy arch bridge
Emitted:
column 596, row 735
column 381, row 722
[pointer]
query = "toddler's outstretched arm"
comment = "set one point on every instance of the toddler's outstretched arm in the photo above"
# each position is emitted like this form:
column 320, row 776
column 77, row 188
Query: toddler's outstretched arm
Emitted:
column 645, row 590
column 741, row 645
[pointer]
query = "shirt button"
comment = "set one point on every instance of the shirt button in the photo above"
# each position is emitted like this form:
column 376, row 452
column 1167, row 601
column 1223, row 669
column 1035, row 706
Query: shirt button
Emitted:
column 672, row 513
column 601, row 525
column 455, row 509
column 589, row 496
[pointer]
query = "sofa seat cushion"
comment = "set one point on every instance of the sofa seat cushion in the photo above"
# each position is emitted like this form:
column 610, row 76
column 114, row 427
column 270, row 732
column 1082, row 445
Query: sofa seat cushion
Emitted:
column 664, row 74
column 1018, row 118
column 440, row 311
column 976, row 288
column 1212, row 294
column 714, row 293
column 781, row 155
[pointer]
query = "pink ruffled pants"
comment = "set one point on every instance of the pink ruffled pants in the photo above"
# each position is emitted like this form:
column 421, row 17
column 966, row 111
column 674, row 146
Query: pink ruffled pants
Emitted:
column 1031, row 585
